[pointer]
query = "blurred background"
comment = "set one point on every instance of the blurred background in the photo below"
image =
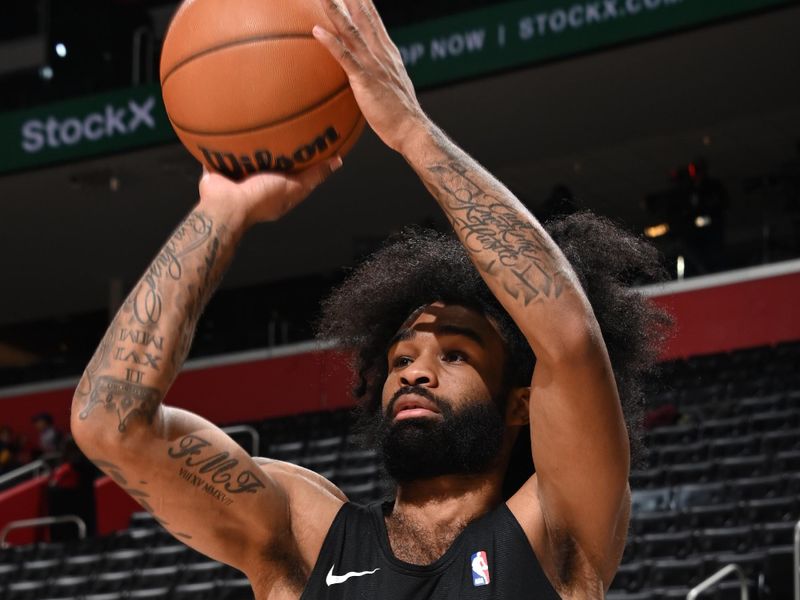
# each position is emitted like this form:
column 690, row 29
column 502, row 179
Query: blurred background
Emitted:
column 679, row 119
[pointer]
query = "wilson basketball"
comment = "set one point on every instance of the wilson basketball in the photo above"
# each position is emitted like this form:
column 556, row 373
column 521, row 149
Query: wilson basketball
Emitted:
column 248, row 88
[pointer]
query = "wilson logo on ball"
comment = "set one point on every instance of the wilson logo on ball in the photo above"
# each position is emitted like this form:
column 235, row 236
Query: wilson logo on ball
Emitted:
column 262, row 160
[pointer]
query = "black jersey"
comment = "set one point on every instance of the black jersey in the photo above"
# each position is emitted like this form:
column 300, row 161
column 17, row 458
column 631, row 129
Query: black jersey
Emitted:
column 491, row 559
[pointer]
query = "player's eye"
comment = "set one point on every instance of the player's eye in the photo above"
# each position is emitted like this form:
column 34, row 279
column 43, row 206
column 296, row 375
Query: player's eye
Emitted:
column 401, row 361
column 455, row 356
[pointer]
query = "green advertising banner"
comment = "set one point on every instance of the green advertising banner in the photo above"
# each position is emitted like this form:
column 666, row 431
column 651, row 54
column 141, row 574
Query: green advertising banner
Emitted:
column 465, row 45
column 84, row 127
column 529, row 31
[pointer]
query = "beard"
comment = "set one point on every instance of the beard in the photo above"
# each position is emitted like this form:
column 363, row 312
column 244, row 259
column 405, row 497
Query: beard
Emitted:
column 463, row 442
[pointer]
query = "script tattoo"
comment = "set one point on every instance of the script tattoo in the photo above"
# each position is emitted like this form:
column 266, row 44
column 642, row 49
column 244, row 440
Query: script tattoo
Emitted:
column 189, row 236
column 502, row 240
column 126, row 399
column 196, row 300
column 221, row 469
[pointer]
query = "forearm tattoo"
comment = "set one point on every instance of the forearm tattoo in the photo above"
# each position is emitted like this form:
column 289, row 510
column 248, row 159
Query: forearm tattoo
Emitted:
column 152, row 332
column 503, row 239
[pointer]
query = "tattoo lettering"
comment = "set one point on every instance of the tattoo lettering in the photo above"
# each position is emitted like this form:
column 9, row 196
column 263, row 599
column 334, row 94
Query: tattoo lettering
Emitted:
column 197, row 299
column 141, row 338
column 491, row 225
column 201, row 484
column 126, row 399
column 188, row 237
column 219, row 466
column 143, row 358
column 133, row 375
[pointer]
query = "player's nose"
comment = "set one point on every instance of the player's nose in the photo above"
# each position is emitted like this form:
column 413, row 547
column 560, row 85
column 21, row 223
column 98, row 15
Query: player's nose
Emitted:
column 420, row 372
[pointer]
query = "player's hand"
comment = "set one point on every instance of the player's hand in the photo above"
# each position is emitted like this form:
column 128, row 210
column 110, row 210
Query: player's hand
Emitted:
column 266, row 196
column 375, row 68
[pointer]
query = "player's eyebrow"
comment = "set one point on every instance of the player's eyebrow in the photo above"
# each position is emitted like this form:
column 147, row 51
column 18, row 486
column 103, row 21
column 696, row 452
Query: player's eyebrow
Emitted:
column 467, row 332
column 408, row 333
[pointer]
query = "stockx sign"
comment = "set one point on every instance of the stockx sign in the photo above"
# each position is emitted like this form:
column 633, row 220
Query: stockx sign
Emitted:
column 83, row 128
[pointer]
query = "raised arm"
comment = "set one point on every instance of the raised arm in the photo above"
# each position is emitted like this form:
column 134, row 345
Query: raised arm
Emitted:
column 578, row 432
column 196, row 481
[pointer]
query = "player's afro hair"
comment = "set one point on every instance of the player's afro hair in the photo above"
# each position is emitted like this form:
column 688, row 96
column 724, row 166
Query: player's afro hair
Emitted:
column 418, row 266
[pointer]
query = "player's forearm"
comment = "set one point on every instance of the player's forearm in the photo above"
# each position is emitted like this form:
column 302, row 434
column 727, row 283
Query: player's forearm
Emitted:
column 513, row 253
column 148, row 340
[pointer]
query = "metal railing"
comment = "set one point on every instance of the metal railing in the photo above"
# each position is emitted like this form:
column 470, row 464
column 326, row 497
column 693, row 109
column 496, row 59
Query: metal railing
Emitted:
column 41, row 522
column 251, row 431
column 37, row 467
column 719, row 576
column 797, row 561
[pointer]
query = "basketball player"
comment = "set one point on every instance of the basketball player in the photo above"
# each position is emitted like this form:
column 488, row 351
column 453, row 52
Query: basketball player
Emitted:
column 445, row 385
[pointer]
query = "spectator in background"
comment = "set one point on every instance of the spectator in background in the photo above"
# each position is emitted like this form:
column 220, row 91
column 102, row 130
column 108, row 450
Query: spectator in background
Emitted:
column 9, row 450
column 50, row 438
column 70, row 491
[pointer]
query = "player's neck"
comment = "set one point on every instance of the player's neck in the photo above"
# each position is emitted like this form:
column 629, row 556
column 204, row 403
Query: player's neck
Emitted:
column 442, row 502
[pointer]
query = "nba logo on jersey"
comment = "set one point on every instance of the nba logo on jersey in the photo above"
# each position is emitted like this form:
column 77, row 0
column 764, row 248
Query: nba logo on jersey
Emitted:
column 480, row 569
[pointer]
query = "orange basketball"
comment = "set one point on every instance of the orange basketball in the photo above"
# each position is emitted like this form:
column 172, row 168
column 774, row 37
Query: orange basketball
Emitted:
column 248, row 88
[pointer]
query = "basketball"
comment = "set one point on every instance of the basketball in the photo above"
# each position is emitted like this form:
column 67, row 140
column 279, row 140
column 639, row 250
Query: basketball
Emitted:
column 248, row 89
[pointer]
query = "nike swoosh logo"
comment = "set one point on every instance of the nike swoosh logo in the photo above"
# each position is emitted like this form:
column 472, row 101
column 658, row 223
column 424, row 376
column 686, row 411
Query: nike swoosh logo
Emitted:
column 332, row 579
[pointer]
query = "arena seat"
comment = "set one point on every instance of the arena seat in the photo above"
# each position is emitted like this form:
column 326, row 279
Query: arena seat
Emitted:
column 155, row 577
column 40, row 569
column 682, row 453
column 737, row 539
column 777, row 534
column 659, row 499
column 753, row 488
column 712, row 516
column 643, row 522
column 631, row 577
column 727, row 427
column 70, row 586
column 112, row 582
column 700, row 494
column 777, row 441
column 698, row 472
column 787, row 461
column 105, row 596
column 734, row 446
column 206, row 590
column 647, row 478
column 743, row 466
column 162, row 593
column 677, row 544
column 770, row 510
column 683, row 573
column 672, row 434
column 25, row 590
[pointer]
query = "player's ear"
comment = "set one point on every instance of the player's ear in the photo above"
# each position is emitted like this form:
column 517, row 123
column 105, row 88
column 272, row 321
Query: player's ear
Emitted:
column 517, row 408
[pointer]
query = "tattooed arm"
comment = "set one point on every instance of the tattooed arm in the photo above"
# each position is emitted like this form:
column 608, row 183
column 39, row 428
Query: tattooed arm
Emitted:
column 578, row 432
column 195, row 480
